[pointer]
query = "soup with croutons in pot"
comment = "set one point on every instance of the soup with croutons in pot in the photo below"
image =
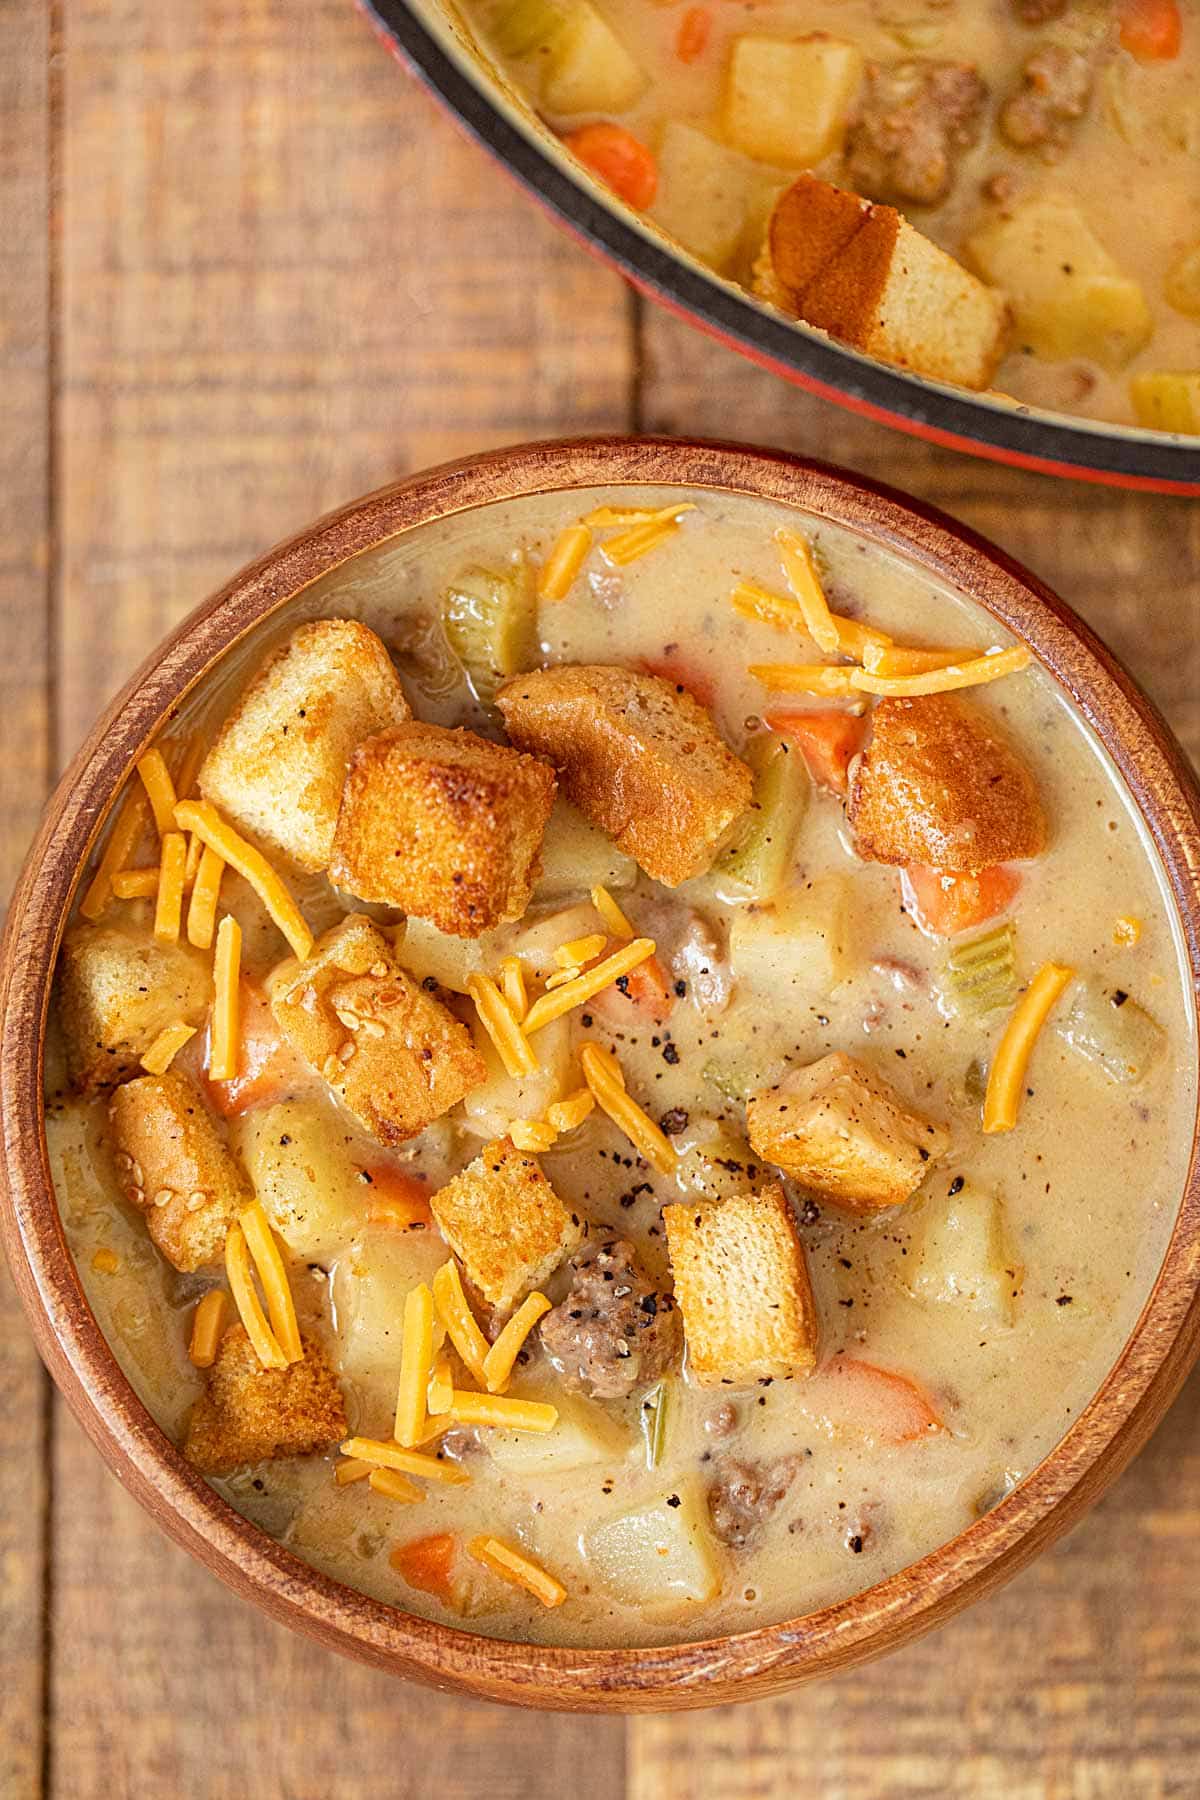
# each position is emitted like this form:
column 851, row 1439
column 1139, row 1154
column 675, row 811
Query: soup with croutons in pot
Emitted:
column 621, row 1071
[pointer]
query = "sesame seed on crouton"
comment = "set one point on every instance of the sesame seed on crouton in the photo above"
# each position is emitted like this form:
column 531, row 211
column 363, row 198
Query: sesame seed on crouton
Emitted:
column 638, row 756
column 277, row 767
column 248, row 1414
column 174, row 1164
column 393, row 1054
column 742, row 1286
column 444, row 825
column 505, row 1223
column 845, row 1134
column 116, row 993
column 939, row 785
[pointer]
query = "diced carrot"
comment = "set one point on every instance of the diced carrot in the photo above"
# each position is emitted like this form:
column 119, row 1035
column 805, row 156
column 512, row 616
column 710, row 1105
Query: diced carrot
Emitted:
column 881, row 1404
column 646, row 989
column 619, row 159
column 1151, row 30
column 266, row 1062
column 673, row 668
column 943, row 905
column 396, row 1198
column 427, row 1562
column 694, row 29
column 828, row 742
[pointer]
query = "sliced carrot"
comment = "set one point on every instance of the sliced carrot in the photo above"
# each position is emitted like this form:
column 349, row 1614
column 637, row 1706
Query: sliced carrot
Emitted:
column 647, row 989
column 621, row 161
column 1151, row 30
column 695, row 28
column 427, row 1563
column 396, row 1198
column 674, row 669
column 828, row 742
column 266, row 1062
column 943, row 905
column 882, row 1404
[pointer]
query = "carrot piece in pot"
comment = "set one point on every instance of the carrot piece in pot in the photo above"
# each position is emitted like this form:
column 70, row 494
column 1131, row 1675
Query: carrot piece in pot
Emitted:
column 828, row 742
column 1151, row 30
column 943, row 905
column 619, row 159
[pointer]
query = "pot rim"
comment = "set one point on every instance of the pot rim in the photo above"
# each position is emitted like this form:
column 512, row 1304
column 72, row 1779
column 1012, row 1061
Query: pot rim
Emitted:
column 1145, row 1378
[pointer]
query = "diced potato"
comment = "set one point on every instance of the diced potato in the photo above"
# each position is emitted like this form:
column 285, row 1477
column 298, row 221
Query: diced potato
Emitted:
column 961, row 1254
column 798, row 948
column 589, row 70
column 1167, row 399
column 659, row 1556
column 576, row 857
column 704, row 192
column 537, row 941
column 305, row 1163
column 526, row 26
column 789, row 103
column 429, row 953
column 1182, row 285
column 491, row 1108
column 585, row 1434
column 1113, row 1032
column 716, row 1164
column 1068, row 295
column 368, row 1283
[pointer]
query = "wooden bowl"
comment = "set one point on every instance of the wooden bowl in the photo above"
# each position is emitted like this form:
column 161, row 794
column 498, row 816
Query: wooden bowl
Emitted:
column 1116, row 1424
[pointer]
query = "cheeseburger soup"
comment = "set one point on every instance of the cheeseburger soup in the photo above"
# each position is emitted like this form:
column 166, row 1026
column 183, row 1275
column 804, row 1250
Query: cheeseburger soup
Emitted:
column 622, row 1070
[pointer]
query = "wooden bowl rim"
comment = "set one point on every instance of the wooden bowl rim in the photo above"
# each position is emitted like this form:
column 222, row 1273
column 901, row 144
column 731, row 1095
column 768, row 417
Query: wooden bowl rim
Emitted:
column 1112, row 1428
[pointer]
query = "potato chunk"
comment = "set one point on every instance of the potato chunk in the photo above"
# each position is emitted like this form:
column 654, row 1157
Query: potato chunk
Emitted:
column 394, row 1056
column 961, row 1254
column 505, row 1223
column 306, row 1163
column 741, row 1283
column 938, row 785
column 659, row 1555
column 589, row 69
column 638, row 756
column 443, row 824
column 174, row 1164
column 249, row 1414
column 279, row 761
column 843, row 1132
column 798, row 948
column 117, row 993
column 789, row 103
column 368, row 1284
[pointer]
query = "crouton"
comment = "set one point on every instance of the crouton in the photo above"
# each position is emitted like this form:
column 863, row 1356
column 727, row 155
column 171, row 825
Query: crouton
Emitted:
column 392, row 1053
column 116, row 993
column 505, row 1224
column 864, row 275
column 444, row 825
column 249, row 1414
column 639, row 757
column 279, row 761
column 938, row 785
column 845, row 1134
column 741, row 1283
column 175, row 1165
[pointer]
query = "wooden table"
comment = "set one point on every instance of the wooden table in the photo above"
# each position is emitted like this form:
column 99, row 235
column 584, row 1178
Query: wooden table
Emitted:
column 250, row 272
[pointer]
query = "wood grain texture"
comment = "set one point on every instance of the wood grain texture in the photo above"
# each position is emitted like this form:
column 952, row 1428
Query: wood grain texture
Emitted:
column 25, row 559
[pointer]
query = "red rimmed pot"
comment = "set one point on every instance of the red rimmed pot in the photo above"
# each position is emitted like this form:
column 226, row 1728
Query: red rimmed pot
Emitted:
column 432, row 41
column 1139, row 1388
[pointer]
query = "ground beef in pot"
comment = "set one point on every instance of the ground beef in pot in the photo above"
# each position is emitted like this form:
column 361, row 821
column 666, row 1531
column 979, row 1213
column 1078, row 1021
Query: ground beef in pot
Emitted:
column 1056, row 87
column 615, row 1332
column 745, row 1494
column 913, row 121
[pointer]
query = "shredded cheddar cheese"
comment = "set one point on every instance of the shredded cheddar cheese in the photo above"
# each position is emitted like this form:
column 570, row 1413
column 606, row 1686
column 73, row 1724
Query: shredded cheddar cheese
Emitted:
column 206, row 891
column 212, row 829
column 241, row 1286
column 416, row 1362
column 192, row 753
column 123, row 840
column 394, row 1486
column 160, row 789
column 226, row 1008
column 440, row 1392
column 580, row 950
column 1006, row 1079
column 805, row 583
column 904, row 659
column 136, row 884
column 106, row 1261
column 512, row 1045
column 518, row 1569
column 169, row 1041
column 459, row 1320
column 566, row 1115
column 168, row 905
column 207, row 1322
column 564, row 563
column 752, row 601
column 498, row 1409
column 281, row 1308
column 561, row 977
column 627, row 546
column 604, row 1077
column 603, row 517
column 409, row 1462
column 589, row 983
column 615, row 921
column 195, row 852
column 512, row 986
column 979, row 669
column 500, row 1359
column 533, row 1135
column 351, row 1470
column 830, row 679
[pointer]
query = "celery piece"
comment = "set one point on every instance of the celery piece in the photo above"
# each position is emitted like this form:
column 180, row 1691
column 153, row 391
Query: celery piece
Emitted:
column 655, row 1408
column 490, row 620
column 982, row 974
column 762, row 856
column 1109, row 1029
column 527, row 25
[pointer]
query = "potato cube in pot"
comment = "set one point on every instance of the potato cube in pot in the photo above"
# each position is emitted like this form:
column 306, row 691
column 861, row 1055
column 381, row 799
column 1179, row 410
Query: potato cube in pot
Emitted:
column 117, row 993
column 960, row 1254
column 659, row 1556
column 586, row 1434
column 1167, row 399
column 588, row 68
column 174, row 1164
column 704, row 193
column 576, row 857
column 307, row 1165
column 797, row 948
column 368, row 1285
column 492, row 1107
column 790, row 103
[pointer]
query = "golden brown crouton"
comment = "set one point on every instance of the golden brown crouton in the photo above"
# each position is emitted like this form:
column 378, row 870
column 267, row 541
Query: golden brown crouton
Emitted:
column 638, row 756
column 845, row 1133
column 444, row 825
column 864, row 275
column 938, row 785
column 280, row 758
column 505, row 1223
column 117, row 993
column 174, row 1163
column 249, row 1414
column 393, row 1055
column 741, row 1283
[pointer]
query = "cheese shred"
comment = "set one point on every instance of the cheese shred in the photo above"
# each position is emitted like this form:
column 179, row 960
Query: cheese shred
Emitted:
column 805, row 583
column 163, row 1050
column 168, row 905
column 439, row 1395
column 351, row 1470
column 604, row 517
column 225, row 1029
column 281, row 1308
column 213, row 830
column 499, row 1362
column 160, row 789
column 459, row 1320
column 518, row 1569
column 241, row 1286
column 207, row 1321
column 973, row 673
column 408, row 1462
column 568, row 1114
column 638, row 540
column 416, row 1363
column 497, row 1409
column 137, row 884
column 533, row 1135
column 496, row 1017
column 904, row 659
column 394, row 1486
column 832, row 680
column 580, row 950
column 586, row 986
column 206, row 891
column 123, row 840
column 512, row 986
column 604, row 1077
column 784, row 613
column 1006, row 1079
column 564, row 563
column 614, row 919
